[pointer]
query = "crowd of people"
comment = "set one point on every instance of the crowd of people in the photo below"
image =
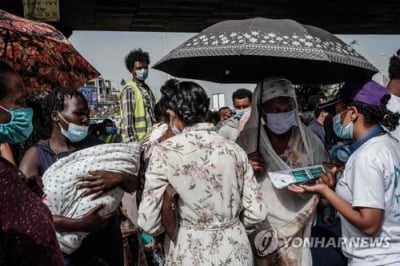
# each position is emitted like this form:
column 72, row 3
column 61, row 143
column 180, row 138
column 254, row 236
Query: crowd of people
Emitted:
column 175, row 185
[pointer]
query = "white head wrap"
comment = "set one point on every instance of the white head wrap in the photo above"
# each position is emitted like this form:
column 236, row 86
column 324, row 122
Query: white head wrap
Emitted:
column 275, row 87
column 289, row 214
column 271, row 88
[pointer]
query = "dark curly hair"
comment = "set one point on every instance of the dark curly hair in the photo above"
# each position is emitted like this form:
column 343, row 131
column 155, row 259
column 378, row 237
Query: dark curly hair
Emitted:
column 394, row 66
column 377, row 114
column 5, row 69
column 187, row 99
column 56, row 98
column 136, row 55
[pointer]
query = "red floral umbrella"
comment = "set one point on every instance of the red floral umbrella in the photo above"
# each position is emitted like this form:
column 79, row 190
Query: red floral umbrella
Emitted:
column 42, row 55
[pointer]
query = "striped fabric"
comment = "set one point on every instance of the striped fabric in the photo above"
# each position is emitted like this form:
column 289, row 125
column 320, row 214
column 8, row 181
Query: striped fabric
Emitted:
column 127, row 101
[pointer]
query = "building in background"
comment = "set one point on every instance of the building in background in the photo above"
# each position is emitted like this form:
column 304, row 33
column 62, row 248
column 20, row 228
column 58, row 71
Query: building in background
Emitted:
column 102, row 97
column 107, row 90
column 218, row 101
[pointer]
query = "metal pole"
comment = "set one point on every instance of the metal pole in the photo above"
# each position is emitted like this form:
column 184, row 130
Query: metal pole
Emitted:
column 259, row 108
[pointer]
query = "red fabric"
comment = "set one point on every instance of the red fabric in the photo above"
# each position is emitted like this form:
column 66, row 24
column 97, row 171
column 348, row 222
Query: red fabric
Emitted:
column 42, row 55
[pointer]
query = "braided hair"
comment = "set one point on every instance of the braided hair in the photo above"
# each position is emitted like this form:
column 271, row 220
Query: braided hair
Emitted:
column 394, row 66
column 377, row 114
column 159, row 112
column 187, row 99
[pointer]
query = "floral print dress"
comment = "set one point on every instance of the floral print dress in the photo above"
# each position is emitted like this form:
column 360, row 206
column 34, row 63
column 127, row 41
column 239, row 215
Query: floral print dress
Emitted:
column 219, row 197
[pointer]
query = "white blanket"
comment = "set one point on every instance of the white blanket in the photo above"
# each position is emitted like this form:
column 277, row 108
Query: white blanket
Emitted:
column 60, row 180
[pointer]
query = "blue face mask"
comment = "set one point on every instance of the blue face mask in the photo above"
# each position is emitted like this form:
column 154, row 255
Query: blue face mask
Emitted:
column 342, row 131
column 109, row 130
column 142, row 74
column 75, row 133
column 19, row 128
column 240, row 112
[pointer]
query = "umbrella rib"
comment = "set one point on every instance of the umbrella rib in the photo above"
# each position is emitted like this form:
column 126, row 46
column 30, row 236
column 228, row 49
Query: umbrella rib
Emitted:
column 6, row 44
column 248, row 29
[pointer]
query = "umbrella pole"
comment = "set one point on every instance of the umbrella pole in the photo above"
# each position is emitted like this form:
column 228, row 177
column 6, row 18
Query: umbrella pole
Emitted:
column 259, row 116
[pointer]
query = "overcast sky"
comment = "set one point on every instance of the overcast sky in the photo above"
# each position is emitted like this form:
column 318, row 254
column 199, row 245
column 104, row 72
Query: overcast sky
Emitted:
column 106, row 51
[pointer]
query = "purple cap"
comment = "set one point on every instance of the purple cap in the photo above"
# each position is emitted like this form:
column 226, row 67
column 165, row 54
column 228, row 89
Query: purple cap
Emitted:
column 368, row 92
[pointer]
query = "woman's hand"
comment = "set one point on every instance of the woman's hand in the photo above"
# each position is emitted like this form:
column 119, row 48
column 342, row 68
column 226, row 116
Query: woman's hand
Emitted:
column 328, row 178
column 317, row 188
column 90, row 222
column 322, row 184
column 98, row 182
column 333, row 163
column 257, row 161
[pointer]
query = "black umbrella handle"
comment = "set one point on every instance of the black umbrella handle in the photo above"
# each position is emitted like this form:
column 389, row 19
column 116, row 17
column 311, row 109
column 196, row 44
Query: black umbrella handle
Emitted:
column 259, row 107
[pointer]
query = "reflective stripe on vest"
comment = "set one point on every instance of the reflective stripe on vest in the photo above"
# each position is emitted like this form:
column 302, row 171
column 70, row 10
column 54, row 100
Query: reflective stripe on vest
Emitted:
column 139, row 112
column 110, row 138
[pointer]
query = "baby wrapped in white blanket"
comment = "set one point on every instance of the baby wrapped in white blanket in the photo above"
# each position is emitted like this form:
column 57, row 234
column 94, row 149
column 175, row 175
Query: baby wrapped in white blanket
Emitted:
column 60, row 180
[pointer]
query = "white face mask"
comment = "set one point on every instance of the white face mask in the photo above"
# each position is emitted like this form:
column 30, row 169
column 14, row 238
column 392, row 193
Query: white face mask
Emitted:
column 175, row 130
column 280, row 123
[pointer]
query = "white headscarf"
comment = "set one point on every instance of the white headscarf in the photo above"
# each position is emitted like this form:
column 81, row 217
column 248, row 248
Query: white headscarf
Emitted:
column 274, row 87
column 290, row 214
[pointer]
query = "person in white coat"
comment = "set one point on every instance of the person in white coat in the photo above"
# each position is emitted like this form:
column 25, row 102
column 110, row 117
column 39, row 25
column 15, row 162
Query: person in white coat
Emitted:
column 367, row 193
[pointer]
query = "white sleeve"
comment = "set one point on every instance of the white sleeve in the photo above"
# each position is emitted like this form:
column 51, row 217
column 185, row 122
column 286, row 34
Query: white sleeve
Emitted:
column 156, row 182
column 223, row 131
column 366, row 177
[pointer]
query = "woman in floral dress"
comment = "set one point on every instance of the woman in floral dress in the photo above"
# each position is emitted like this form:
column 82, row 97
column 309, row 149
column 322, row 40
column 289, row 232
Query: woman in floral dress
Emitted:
column 219, row 195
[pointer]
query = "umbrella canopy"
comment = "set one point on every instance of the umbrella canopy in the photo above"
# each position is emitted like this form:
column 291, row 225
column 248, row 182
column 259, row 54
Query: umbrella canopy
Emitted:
column 246, row 51
column 42, row 55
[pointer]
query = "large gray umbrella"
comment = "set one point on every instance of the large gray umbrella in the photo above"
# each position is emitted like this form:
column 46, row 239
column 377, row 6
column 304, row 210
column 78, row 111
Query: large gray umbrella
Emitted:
column 245, row 51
